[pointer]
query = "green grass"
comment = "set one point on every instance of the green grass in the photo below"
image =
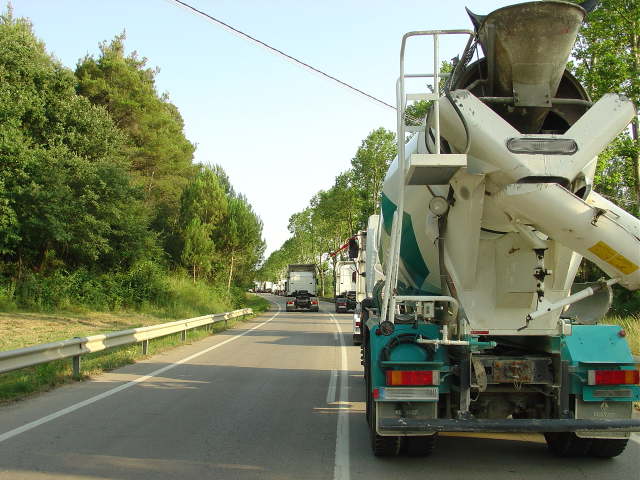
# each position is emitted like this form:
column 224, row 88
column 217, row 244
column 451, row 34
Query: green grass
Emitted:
column 29, row 329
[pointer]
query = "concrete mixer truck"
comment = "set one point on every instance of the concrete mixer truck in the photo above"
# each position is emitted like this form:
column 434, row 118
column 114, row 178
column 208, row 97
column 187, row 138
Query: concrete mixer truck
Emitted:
column 485, row 216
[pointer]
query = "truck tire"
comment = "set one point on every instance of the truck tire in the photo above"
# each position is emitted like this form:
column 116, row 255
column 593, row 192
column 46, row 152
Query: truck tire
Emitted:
column 385, row 446
column 364, row 354
column 567, row 444
column 607, row 447
column 421, row 446
column 381, row 446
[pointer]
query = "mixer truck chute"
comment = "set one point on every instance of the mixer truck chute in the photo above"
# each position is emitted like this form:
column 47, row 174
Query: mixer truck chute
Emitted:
column 486, row 214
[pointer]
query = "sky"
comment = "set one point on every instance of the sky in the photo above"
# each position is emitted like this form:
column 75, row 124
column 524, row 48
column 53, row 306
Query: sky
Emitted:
column 281, row 132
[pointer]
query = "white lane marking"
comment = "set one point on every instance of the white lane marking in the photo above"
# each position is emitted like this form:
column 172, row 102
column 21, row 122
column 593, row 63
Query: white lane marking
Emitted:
column 341, row 468
column 331, row 392
column 113, row 391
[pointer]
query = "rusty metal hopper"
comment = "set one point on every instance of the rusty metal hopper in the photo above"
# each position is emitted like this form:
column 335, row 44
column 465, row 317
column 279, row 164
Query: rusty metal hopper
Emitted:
column 527, row 47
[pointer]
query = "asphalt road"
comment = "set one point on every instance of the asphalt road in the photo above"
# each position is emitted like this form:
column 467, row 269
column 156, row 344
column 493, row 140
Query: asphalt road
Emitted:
column 279, row 397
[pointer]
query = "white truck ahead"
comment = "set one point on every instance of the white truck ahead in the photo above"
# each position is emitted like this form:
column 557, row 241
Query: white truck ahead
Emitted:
column 301, row 288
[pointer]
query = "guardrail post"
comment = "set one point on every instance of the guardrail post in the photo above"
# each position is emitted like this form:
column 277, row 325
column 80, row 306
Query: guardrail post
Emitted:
column 76, row 366
column 183, row 335
column 145, row 347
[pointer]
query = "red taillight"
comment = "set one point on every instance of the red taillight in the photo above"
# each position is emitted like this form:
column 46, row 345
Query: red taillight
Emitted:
column 314, row 302
column 412, row 377
column 357, row 324
column 376, row 393
column 614, row 377
column 289, row 303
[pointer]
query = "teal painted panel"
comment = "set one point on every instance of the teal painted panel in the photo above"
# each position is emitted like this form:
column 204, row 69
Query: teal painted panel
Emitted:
column 593, row 344
column 596, row 343
column 410, row 253
column 407, row 353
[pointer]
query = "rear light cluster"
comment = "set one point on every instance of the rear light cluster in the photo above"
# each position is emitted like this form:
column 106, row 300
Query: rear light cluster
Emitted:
column 314, row 302
column 412, row 377
column 289, row 303
column 614, row 377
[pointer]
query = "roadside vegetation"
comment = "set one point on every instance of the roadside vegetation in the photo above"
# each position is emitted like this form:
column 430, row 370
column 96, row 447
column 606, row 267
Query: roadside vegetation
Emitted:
column 101, row 205
column 23, row 329
column 106, row 222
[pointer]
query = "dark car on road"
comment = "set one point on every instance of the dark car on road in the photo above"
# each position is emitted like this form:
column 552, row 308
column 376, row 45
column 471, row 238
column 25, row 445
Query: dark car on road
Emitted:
column 346, row 302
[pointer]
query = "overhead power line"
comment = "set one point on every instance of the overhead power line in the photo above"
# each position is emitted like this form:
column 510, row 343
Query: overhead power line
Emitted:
column 279, row 52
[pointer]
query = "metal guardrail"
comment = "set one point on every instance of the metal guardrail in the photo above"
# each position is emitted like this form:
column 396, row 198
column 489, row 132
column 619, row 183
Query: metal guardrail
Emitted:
column 75, row 347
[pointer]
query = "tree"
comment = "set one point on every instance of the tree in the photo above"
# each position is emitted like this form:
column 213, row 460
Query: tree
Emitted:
column 203, row 207
column 159, row 153
column 607, row 59
column 65, row 190
column 243, row 244
column 369, row 167
column 198, row 248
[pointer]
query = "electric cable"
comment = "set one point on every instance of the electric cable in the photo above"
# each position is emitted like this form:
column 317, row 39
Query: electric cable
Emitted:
column 279, row 52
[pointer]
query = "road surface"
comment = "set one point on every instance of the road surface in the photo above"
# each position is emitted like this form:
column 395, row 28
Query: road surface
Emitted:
column 278, row 397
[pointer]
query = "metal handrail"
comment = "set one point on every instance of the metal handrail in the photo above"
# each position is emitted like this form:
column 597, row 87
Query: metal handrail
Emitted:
column 391, row 274
column 75, row 347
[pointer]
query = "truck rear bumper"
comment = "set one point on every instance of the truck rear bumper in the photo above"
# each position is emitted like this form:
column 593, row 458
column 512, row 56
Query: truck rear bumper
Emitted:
column 505, row 425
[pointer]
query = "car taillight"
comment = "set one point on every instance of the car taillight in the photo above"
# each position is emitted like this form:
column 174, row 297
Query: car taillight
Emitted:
column 314, row 302
column 357, row 324
column 376, row 393
column 412, row 377
column 614, row 377
column 289, row 303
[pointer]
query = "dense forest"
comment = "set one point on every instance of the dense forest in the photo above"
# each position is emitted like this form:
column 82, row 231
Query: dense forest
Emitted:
column 101, row 204
column 606, row 58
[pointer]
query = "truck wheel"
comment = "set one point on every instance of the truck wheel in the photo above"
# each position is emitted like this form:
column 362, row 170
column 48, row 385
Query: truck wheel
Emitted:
column 421, row 446
column 567, row 444
column 381, row 446
column 385, row 446
column 607, row 447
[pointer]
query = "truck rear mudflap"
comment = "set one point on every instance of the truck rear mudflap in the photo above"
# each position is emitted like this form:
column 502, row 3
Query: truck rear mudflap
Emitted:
column 408, row 425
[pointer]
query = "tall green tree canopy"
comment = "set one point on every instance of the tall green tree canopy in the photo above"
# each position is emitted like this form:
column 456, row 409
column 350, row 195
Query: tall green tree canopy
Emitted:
column 64, row 186
column 159, row 153
column 607, row 59
column 369, row 167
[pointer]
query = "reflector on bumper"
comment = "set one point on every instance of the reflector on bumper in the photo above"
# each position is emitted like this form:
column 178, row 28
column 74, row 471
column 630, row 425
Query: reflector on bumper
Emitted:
column 407, row 394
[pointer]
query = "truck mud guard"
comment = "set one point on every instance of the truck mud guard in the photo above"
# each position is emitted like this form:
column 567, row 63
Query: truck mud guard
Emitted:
column 506, row 425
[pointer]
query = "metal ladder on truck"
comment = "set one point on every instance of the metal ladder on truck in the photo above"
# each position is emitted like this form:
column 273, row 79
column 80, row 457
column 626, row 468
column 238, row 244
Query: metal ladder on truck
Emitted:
column 417, row 162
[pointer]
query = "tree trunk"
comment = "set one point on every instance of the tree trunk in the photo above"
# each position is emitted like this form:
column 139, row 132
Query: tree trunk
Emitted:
column 635, row 53
column 636, row 160
column 194, row 273
column 230, row 273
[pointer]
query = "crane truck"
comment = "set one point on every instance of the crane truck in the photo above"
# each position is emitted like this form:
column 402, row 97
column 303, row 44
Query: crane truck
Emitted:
column 485, row 215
